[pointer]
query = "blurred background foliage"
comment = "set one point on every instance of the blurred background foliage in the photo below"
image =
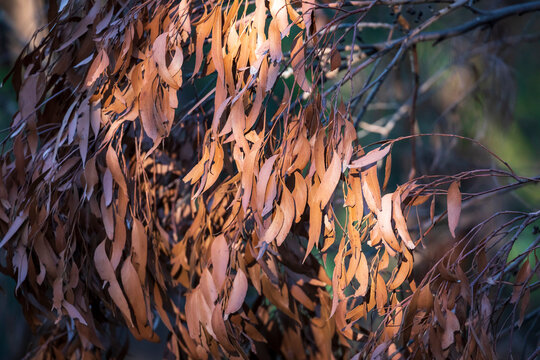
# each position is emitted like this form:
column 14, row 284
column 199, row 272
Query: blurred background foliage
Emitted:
column 483, row 85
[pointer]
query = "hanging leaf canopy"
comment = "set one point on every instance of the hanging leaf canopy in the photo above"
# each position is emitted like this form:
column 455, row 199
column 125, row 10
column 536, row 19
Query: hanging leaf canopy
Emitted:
column 195, row 164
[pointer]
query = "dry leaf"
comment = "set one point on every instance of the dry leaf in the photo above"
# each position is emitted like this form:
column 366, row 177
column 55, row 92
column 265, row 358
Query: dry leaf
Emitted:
column 454, row 206
column 238, row 293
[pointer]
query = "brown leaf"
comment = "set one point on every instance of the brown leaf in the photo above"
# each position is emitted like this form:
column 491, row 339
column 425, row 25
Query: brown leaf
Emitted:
column 274, row 38
column 83, row 129
column 298, row 63
column 204, row 27
column 370, row 158
column 99, row 65
column 248, row 174
column 315, row 223
column 159, row 53
column 192, row 314
column 147, row 106
column 218, row 325
column 273, row 230
column 454, row 207
column 107, row 185
column 362, row 276
column 381, row 294
column 302, row 151
column 216, row 50
column 404, row 270
column 220, row 260
column 335, row 61
column 262, row 181
column 134, row 292
column 300, row 195
column 287, row 206
column 114, row 167
column 91, row 178
column 371, row 190
column 15, row 226
column 238, row 293
column 425, row 298
column 278, row 10
column 215, row 168
column 451, row 325
column 208, row 287
column 139, row 246
column 401, row 223
column 73, row 312
column 106, row 272
column 385, row 222
column 107, row 216
column 329, row 181
column 198, row 170
column 521, row 277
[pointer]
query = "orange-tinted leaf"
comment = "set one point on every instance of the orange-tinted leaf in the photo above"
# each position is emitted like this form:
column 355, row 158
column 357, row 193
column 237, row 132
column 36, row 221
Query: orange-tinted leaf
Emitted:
column 99, row 65
column 300, row 195
column 370, row 158
column 238, row 292
column 159, row 53
column 106, row 272
column 273, row 230
column 274, row 37
column 362, row 276
column 298, row 63
column 329, row 181
column 287, row 206
column 218, row 325
column 399, row 219
column 134, row 292
column 381, row 294
column 385, row 222
column 139, row 245
column 114, row 167
column 454, row 206
column 220, row 260
column 315, row 223
column 371, row 190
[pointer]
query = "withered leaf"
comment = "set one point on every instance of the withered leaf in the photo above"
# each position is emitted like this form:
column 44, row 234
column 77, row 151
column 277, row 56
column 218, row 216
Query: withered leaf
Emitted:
column 100, row 63
column 399, row 219
column 106, row 272
column 274, row 37
column 522, row 276
column 114, row 167
column 287, row 207
column 238, row 292
column 452, row 325
column 335, row 61
column 300, row 195
column 298, row 63
column 385, row 222
column 15, row 226
column 134, row 292
column 220, row 260
column 370, row 158
column 371, row 190
column 73, row 312
column 454, row 206
column 139, row 245
column 329, row 181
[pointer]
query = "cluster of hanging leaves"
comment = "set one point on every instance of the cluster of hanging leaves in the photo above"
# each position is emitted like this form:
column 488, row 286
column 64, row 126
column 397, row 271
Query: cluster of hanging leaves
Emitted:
column 128, row 201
